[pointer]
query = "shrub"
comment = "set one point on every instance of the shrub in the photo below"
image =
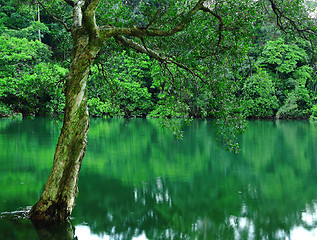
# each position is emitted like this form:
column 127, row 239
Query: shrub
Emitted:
column 296, row 104
column 5, row 111
column 29, row 83
column 314, row 113
column 259, row 98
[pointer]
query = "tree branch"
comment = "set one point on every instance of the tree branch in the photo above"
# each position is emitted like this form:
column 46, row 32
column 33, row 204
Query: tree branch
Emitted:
column 55, row 18
column 280, row 15
column 152, row 54
column 221, row 24
column 90, row 19
column 107, row 31
column 157, row 16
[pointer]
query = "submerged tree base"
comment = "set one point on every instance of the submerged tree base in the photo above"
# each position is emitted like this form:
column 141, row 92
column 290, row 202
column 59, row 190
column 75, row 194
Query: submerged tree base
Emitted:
column 20, row 222
column 49, row 212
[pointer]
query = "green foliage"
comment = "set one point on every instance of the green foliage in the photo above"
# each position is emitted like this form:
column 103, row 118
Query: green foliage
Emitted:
column 20, row 54
column 283, row 57
column 314, row 113
column 259, row 96
column 45, row 85
column 291, row 75
column 303, row 74
column 29, row 83
column 97, row 108
column 120, row 86
column 37, row 93
column 297, row 104
column 30, row 32
column 12, row 17
column 132, row 85
column 5, row 110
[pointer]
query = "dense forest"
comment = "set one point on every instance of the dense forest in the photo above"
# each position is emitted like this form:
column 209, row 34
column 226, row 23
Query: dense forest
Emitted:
column 177, row 60
column 274, row 76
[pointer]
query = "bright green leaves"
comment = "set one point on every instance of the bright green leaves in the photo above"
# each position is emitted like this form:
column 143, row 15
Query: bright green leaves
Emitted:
column 31, row 32
column 21, row 52
column 18, row 55
column 303, row 74
column 286, row 64
column 314, row 113
column 282, row 56
column 259, row 98
column 29, row 83
column 121, row 87
column 14, row 50
column 297, row 104
column 98, row 108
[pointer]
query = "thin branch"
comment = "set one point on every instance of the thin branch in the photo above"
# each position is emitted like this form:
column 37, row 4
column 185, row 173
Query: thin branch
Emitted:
column 113, row 87
column 143, row 42
column 141, row 49
column 170, row 72
column 280, row 15
column 157, row 16
column 153, row 54
column 221, row 24
column 55, row 18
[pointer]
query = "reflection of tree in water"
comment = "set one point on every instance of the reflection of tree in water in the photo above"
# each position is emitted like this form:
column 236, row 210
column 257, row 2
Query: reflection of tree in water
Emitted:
column 162, row 209
column 16, row 225
column 137, row 180
column 284, row 179
column 31, row 131
column 219, row 198
column 63, row 231
column 26, row 154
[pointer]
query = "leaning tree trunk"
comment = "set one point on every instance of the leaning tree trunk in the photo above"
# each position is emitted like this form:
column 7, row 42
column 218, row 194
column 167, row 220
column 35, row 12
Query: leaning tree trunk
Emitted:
column 58, row 198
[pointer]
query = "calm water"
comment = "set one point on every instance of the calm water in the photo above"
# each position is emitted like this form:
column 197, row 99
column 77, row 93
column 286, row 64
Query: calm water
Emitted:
column 139, row 182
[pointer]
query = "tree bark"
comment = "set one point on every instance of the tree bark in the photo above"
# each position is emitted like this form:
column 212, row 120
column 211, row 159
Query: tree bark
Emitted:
column 58, row 198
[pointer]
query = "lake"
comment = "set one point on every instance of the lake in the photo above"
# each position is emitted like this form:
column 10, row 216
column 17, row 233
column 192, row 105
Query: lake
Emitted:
column 140, row 182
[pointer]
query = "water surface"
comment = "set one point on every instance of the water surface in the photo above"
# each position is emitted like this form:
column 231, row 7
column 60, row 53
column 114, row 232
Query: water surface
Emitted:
column 140, row 182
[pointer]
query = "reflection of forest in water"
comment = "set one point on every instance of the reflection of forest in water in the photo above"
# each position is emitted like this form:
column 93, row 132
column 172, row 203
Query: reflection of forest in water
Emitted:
column 138, row 180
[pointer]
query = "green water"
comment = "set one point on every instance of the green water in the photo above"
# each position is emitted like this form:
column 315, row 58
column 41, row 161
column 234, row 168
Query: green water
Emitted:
column 139, row 182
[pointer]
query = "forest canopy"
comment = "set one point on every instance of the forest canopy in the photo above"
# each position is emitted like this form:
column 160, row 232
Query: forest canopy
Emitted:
column 264, row 72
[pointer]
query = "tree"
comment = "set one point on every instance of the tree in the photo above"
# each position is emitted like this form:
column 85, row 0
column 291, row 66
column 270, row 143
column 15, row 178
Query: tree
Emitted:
column 58, row 198
column 215, row 37
column 259, row 96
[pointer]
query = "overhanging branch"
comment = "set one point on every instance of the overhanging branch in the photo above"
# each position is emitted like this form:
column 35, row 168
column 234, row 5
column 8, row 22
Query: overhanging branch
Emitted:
column 280, row 15
column 152, row 54
column 107, row 31
column 221, row 24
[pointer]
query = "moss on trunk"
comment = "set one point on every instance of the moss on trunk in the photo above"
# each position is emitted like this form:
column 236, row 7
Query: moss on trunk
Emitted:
column 58, row 198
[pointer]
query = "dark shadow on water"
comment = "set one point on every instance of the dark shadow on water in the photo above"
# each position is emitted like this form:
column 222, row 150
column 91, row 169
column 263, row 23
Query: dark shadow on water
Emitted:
column 17, row 226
